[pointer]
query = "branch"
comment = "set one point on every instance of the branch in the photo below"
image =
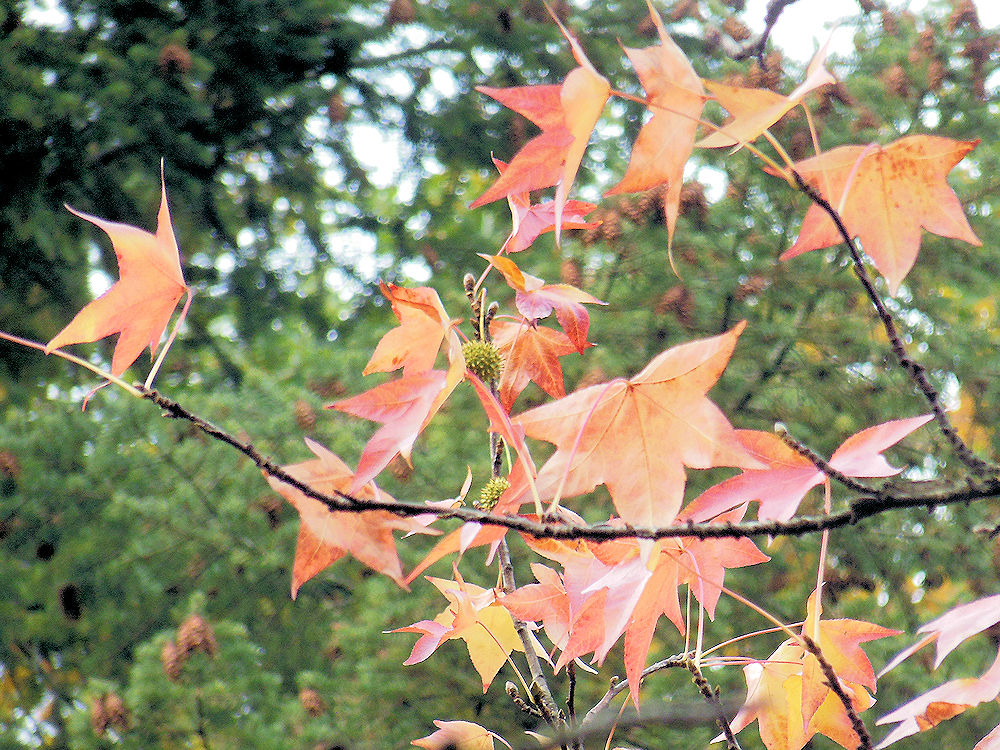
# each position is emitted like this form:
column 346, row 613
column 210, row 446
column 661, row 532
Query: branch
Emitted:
column 756, row 49
column 712, row 698
column 618, row 686
column 923, row 494
column 834, row 683
column 823, row 465
column 916, row 371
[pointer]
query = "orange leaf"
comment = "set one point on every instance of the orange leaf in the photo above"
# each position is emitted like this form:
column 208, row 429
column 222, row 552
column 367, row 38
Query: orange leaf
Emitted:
column 535, row 299
column 324, row 535
column 139, row 305
column 531, row 352
column 530, row 220
column 897, row 189
column 414, row 344
column 755, row 110
column 636, row 436
column 567, row 115
column 676, row 98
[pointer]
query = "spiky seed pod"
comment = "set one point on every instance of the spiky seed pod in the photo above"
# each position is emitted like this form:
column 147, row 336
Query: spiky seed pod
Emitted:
column 679, row 301
column 735, row 29
column 490, row 494
column 172, row 659
column 195, row 634
column 311, row 701
column 483, row 359
column 400, row 11
column 755, row 76
column 305, row 417
column 799, row 145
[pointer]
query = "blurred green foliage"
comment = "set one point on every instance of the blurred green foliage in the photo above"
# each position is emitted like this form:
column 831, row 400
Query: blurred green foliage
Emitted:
column 276, row 121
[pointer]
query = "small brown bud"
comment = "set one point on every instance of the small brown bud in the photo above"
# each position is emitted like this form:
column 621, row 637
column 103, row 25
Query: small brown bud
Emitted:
column 336, row 109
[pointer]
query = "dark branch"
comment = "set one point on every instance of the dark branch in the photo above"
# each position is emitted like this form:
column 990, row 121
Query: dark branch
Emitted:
column 756, row 48
column 712, row 698
column 834, row 683
column 916, row 371
column 923, row 494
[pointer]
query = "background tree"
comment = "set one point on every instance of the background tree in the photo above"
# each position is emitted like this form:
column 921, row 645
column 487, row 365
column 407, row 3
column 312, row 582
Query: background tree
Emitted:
column 254, row 108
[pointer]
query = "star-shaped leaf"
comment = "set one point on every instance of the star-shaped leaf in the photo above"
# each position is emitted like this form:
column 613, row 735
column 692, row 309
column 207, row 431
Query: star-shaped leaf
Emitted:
column 896, row 190
column 139, row 305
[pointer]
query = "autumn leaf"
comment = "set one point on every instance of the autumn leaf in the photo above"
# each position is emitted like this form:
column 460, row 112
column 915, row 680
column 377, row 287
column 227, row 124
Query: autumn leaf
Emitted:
column 675, row 97
column 896, row 190
column 535, row 299
column 531, row 353
column 636, row 436
column 566, row 115
column 138, row 306
column 755, row 110
column 475, row 616
column 531, row 220
column 457, row 735
column 414, row 344
column 325, row 536
column 788, row 694
column 943, row 702
column 781, row 487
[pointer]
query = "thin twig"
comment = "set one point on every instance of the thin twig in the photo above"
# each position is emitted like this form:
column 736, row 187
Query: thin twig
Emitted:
column 618, row 686
column 712, row 698
column 834, row 683
column 756, row 48
column 916, row 371
column 823, row 465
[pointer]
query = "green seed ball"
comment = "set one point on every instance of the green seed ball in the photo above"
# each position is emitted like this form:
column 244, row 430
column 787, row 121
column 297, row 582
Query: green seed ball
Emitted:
column 491, row 492
column 483, row 359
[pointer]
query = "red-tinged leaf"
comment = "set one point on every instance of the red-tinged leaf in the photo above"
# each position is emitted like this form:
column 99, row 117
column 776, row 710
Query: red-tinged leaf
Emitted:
column 457, row 735
column 701, row 564
column 953, row 628
column 403, row 406
column 324, row 535
column 474, row 616
column 567, row 115
column 943, row 702
column 636, row 436
column 139, row 305
column 675, row 97
column 456, row 541
column 896, row 190
column 531, row 353
column 535, row 299
column 414, row 344
column 755, row 110
column 781, row 487
column 529, row 221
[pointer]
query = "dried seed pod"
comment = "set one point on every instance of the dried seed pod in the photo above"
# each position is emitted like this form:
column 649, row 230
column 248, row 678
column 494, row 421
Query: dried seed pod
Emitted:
column 305, row 417
column 735, row 29
column 936, row 73
column 115, row 711
column 195, row 634
column 679, row 301
column 400, row 11
column 172, row 659
column 896, row 81
column 693, row 202
column 570, row 272
column 963, row 14
column 311, row 701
